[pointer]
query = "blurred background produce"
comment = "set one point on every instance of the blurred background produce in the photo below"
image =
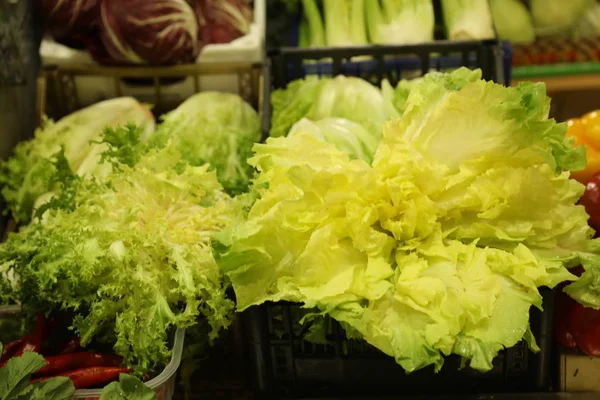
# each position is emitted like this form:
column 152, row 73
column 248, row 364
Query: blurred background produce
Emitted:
column 166, row 32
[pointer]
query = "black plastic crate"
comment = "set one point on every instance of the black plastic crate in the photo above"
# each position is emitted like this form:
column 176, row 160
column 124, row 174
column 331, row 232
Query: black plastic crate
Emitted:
column 375, row 63
column 287, row 366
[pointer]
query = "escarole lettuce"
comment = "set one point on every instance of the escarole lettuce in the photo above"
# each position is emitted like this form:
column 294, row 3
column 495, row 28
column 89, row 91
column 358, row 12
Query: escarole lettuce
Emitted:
column 438, row 247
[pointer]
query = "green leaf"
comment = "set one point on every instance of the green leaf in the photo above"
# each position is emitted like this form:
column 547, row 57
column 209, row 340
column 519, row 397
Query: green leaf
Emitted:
column 66, row 184
column 16, row 374
column 128, row 388
column 58, row 388
column 123, row 144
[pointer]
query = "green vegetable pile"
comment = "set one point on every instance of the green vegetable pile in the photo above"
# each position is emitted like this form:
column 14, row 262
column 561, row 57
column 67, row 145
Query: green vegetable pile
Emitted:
column 438, row 246
column 424, row 218
column 126, row 248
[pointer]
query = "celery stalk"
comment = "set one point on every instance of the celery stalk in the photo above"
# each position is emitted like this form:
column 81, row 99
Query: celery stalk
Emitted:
column 345, row 22
column 315, row 31
column 400, row 21
column 468, row 19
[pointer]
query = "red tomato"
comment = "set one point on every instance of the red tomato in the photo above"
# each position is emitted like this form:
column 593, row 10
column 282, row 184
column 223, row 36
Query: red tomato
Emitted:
column 591, row 201
column 562, row 314
column 585, row 327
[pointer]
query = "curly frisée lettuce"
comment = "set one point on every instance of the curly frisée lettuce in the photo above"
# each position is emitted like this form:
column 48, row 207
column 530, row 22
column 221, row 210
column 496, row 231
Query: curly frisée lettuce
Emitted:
column 134, row 252
column 25, row 176
column 438, row 247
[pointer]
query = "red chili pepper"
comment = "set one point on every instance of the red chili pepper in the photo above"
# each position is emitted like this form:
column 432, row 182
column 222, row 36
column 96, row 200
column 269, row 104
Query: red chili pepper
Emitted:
column 10, row 348
column 71, row 346
column 68, row 362
column 35, row 340
column 90, row 377
column 585, row 326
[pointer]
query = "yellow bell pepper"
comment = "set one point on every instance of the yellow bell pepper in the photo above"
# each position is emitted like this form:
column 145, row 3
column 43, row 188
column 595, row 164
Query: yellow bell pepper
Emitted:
column 586, row 131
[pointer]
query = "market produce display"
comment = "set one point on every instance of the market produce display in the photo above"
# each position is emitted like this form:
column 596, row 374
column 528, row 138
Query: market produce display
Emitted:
column 125, row 250
column 439, row 245
column 575, row 325
column 423, row 218
column 545, row 33
column 156, row 32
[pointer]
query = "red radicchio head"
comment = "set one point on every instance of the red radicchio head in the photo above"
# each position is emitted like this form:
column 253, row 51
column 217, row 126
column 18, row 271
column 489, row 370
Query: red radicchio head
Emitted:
column 222, row 21
column 69, row 21
column 158, row 32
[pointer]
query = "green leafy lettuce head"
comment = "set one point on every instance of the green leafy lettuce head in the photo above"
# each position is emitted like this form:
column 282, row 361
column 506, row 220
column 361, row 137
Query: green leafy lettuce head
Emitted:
column 438, row 247
column 214, row 128
column 350, row 98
